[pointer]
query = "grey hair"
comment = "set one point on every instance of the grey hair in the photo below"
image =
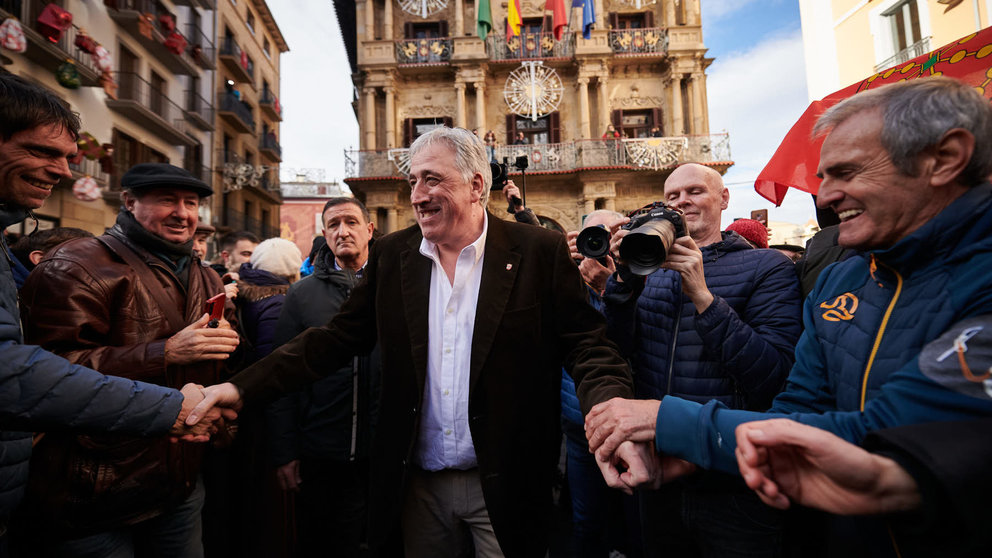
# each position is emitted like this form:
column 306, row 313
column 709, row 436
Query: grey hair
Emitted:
column 470, row 154
column 916, row 114
column 615, row 215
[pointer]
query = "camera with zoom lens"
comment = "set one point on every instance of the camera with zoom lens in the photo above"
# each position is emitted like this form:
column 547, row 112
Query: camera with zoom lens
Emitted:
column 653, row 230
column 499, row 171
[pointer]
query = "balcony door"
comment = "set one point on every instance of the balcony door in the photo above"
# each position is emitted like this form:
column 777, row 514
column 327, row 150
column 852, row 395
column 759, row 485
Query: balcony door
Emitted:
column 127, row 66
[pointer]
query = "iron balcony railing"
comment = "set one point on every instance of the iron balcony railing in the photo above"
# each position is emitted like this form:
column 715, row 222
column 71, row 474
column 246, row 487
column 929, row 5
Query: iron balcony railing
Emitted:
column 197, row 38
column 132, row 87
column 652, row 40
column 90, row 167
column 28, row 11
column 423, row 51
column 228, row 102
column 195, row 103
column 271, row 103
column 230, row 48
column 919, row 48
column 530, row 46
column 270, row 142
column 639, row 153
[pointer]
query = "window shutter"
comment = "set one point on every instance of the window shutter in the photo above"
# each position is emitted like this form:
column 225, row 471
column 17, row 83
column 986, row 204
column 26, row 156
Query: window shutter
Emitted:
column 511, row 128
column 614, row 20
column 657, row 120
column 616, row 117
column 407, row 132
column 554, row 125
column 408, row 30
column 649, row 19
column 442, row 27
column 548, row 24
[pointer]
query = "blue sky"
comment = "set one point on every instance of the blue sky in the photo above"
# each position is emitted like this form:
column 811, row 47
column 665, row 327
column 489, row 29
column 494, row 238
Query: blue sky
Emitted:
column 756, row 89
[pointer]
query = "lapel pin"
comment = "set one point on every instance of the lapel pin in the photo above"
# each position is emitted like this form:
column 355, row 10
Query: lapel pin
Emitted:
column 509, row 267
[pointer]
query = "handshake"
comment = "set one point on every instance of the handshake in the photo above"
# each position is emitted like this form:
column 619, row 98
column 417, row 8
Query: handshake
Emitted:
column 621, row 434
column 205, row 411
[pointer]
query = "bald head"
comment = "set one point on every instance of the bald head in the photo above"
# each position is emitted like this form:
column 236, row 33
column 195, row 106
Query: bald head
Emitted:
column 699, row 192
column 602, row 217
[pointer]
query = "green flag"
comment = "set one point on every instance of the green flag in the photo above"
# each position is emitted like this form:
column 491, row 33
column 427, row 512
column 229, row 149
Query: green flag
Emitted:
column 484, row 23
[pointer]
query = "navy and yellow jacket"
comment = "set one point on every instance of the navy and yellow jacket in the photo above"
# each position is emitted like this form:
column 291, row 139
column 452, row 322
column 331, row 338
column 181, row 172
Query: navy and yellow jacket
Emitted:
column 877, row 349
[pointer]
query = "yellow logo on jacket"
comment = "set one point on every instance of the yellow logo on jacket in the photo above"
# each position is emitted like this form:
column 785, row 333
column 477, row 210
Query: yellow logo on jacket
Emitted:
column 841, row 309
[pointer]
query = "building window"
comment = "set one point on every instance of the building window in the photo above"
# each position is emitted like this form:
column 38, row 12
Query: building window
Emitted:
column 266, row 47
column 644, row 123
column 425, row 30
column 901, row 31
column 543, row 130
column 250, row 20
column 904, row 22
column 413, row 128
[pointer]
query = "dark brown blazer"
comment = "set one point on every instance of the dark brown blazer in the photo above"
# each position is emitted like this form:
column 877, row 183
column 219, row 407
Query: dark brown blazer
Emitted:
column 532, row 318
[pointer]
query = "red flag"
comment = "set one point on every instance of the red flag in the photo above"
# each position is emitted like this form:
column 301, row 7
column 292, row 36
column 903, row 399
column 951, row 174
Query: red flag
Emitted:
column 559, row 18
column 794, row 163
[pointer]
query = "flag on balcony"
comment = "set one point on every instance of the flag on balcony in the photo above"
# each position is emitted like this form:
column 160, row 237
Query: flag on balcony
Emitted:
column 513, row 20
column 484, row 22
column 588, row 16
column 559, row 18
column 794, row 163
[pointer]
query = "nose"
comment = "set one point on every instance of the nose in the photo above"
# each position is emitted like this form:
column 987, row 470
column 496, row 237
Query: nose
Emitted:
column 827, row 195
column 60, row 167
column 418, row 193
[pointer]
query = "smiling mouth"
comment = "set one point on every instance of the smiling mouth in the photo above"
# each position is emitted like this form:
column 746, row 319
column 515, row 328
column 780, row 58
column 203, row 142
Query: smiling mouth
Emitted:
column 849, row 214
column 425, row 213
column 39, row 183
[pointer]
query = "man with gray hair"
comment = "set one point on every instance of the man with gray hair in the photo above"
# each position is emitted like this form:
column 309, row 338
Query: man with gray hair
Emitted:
column 476, row 317
column 906, row 169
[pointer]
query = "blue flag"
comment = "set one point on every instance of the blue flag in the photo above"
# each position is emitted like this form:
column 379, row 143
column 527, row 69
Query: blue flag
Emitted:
column 588, row 17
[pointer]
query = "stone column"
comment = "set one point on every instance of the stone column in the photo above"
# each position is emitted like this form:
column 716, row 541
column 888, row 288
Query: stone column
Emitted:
column 589, row 205
column 600, row 15
column 604, row 105
column 697, row 102
column 584, row 131
column 387, row 21
column 369, row 109
column 369, row 20
column 480, row 107
column 610, row 203
column 390, row 220
column 691, row 12
column 390, row 115
column 704, row 104
column 460, row 104
column 676, row 93
column 670, row 13
column 459, row 18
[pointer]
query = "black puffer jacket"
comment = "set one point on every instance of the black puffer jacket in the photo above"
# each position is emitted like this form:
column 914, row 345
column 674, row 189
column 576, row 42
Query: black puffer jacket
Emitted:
column 318, row 421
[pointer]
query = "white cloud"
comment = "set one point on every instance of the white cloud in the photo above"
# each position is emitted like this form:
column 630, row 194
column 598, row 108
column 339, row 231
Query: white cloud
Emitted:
column 717, row 9
column 756, row 96
column 316, row 88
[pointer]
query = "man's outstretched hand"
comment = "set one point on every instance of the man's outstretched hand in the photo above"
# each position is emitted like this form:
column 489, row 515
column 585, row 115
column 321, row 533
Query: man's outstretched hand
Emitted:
column 203, row 429
column 612, row 422
column 784, row 461
column 636, row 465
column 223, row 399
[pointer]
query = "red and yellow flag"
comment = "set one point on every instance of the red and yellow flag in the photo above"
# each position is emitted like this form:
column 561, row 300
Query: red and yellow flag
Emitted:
column 513, row 20
column 794, row 163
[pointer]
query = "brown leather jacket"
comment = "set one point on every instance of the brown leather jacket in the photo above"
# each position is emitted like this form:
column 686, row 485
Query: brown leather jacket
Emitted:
column 86, row 303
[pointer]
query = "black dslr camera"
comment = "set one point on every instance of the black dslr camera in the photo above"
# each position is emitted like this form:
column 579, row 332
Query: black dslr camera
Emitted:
column 499, row 171
column 653, row 230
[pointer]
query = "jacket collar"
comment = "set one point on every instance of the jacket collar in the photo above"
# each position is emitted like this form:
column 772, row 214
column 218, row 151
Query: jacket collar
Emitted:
column 958, row 230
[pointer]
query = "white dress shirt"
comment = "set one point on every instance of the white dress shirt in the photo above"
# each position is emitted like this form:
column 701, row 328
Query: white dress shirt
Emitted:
column 444, row 440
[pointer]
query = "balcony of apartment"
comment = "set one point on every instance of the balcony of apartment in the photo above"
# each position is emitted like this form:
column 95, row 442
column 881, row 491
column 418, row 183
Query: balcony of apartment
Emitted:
column 199, row 111
column 44, row 52
column 268, row 146
column 919, row 48
column 237, row 62
column 238, row 174
column 141, row 102
column 91, row 168
column 235, row 113
column 530, row 46
column 132, row 16
column 270, row 105
column 651, row 41
column 202, row 49
column 424, row 51
column 623, row 154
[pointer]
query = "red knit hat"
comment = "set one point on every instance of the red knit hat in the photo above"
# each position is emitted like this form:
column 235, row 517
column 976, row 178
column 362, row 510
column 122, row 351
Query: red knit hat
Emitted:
column 753, row 231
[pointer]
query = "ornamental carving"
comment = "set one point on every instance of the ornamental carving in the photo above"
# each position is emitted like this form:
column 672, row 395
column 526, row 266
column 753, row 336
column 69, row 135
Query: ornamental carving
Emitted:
column 637, row 101
column 429, row 110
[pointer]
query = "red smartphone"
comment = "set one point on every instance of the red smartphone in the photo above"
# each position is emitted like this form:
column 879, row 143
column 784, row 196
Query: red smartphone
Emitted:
column 215, row 307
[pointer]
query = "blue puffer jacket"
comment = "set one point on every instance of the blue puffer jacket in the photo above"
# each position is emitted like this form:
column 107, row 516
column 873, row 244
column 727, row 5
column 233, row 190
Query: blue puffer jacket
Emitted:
column 40, row 391
column 876, row 352
column 738, row 351
column 260, row 298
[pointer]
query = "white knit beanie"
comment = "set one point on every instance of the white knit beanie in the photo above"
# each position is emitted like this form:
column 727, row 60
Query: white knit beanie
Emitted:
column 277, row 256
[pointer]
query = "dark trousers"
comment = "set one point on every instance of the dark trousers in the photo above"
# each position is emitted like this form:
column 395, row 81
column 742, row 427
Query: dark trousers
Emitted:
column 711, row 515
column 331, row 512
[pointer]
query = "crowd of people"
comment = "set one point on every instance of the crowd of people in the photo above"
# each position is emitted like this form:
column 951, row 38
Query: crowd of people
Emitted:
column 407, row 395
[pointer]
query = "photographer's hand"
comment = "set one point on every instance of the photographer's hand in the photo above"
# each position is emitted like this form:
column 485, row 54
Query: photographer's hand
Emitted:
column 686, row 258
column 512, row 194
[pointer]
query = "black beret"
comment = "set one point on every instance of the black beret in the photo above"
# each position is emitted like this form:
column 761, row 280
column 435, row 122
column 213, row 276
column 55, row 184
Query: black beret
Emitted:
column 162, row 175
